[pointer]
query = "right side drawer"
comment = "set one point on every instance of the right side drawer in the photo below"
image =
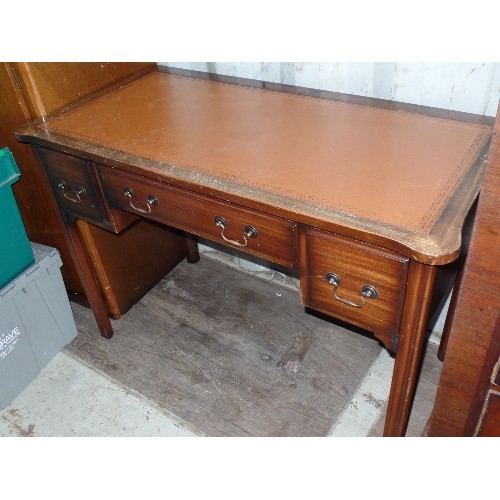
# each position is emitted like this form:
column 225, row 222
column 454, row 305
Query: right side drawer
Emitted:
column 354, row 281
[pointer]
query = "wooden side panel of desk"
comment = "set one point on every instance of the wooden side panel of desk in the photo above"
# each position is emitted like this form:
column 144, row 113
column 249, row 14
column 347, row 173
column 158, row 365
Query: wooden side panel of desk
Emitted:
column 490, row 424
column 473, row 347
column 135, row 269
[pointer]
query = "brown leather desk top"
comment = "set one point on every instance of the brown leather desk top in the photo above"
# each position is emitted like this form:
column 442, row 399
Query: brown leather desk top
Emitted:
column 394, row 168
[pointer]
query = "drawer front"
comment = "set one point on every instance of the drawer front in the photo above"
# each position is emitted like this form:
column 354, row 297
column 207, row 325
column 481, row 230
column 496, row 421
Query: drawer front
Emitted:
column 353, row 281
column 253, row 232
column 71, row 181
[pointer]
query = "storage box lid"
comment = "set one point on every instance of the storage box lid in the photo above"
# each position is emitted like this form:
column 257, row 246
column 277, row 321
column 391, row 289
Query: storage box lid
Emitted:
column 9, row 171
column 44, row 258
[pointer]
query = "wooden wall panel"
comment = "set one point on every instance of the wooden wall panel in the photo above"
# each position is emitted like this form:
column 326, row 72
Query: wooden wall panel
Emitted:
column 473, row 347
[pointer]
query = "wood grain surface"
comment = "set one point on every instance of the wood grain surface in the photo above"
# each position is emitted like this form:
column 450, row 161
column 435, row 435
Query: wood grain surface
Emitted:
column 473, row 347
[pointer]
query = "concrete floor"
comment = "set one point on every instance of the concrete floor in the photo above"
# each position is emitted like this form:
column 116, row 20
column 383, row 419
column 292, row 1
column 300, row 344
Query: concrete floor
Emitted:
column 70, row 399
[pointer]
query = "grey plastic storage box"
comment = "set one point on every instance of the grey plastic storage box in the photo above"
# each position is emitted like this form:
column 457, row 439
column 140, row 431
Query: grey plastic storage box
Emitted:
column 36, row 322
column 15, row 250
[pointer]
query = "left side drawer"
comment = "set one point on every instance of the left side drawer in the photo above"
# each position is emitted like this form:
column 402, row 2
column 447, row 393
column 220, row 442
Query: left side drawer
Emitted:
column 71, row 181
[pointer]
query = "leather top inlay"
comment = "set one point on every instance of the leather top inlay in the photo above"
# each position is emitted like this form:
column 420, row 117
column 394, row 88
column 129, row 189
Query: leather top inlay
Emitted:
column 394, row 167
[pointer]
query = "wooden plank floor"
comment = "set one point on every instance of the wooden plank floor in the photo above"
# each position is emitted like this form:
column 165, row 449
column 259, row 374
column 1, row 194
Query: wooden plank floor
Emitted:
column 206, row 344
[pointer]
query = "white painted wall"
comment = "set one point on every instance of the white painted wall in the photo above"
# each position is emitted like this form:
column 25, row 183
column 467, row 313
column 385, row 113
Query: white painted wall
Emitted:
column 460, row 86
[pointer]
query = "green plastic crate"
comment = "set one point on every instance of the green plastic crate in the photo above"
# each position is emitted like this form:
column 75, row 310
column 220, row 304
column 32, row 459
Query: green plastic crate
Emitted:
column 16, row 254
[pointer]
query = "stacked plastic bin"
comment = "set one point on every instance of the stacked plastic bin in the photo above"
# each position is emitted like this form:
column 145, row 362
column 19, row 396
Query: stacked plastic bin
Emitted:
column 36, row 320
column 16, row 254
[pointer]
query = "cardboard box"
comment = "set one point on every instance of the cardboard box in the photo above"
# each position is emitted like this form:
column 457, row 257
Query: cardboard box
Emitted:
column 36, row 322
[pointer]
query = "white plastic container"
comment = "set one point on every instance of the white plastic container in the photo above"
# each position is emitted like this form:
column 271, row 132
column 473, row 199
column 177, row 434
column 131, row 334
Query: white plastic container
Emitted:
column 36, row 322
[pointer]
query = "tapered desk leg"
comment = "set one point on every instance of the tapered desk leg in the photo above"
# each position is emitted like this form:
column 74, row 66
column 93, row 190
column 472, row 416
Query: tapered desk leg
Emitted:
column 92, row 290
column 409, row 354
column 192, row 251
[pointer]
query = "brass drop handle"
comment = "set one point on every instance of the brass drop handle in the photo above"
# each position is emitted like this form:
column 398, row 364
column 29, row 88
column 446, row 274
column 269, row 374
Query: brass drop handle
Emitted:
column 151, row 201
column 79, row 191
column 367, row 291
column 249, row 232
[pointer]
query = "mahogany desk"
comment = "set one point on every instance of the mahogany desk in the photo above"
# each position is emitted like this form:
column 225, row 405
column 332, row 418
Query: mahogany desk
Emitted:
column 366, row 198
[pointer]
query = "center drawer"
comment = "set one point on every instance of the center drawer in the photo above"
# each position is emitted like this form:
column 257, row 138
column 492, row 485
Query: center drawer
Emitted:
column 253, row 232
column 354, row 281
